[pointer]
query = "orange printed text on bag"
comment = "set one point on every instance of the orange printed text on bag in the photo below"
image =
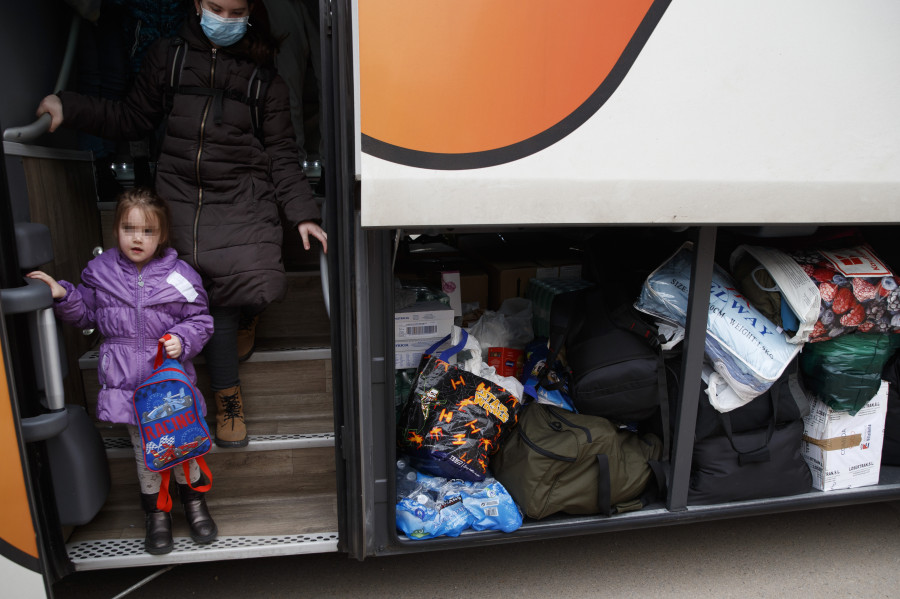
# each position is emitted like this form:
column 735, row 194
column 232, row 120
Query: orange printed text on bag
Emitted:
column 172, row 428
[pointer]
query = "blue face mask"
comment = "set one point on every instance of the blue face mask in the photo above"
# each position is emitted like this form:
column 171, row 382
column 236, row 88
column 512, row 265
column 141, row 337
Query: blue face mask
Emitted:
column 222, row 31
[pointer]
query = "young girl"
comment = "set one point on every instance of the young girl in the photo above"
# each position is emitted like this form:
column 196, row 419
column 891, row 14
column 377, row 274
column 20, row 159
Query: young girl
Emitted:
column 224, row 186
column 134, row 295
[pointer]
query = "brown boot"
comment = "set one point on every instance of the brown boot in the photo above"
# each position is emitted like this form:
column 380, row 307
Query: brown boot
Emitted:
column 246, row 336
column 230, row 428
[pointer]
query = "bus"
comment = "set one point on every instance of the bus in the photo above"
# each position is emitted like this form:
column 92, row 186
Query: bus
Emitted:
column 509, row 129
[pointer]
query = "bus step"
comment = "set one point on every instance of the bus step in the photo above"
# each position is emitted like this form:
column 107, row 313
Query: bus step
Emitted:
column 128, row 553
column 120, row 447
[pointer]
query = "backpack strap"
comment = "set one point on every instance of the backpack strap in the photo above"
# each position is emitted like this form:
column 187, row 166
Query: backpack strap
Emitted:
column 560, row 311
column 174, row 66
column 163, row 499
column 255, row 98
column 257, row 89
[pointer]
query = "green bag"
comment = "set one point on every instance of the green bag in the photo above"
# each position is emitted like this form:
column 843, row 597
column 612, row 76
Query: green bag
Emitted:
column 558, row 461
column 845, row 372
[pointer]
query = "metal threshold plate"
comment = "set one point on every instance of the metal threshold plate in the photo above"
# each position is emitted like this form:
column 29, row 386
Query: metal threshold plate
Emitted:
column 128, row 553
column 120, row 447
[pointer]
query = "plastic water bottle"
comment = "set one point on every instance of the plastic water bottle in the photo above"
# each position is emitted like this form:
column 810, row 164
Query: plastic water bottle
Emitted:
column 406, row 480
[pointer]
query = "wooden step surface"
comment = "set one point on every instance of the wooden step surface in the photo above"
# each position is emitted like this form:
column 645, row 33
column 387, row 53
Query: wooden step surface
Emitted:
column 286, row 492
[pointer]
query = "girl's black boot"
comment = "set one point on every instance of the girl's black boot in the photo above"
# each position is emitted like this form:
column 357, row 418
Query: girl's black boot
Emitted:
column 159, row 527
column 203, row 528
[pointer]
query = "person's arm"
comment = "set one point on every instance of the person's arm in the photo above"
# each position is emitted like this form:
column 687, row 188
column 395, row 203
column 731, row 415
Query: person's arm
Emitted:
column 130, row 118
column 72, row 305
column 292, row 189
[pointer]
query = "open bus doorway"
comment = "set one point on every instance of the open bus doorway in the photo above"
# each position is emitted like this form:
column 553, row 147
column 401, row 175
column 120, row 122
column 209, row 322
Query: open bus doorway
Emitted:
column 278, row 495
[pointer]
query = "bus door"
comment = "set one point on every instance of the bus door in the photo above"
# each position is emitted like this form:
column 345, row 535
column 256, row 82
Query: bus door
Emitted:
column 32, row 553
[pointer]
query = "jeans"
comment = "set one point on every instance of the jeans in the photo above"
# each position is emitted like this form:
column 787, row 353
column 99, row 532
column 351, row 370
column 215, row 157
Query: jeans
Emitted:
column 221, row 349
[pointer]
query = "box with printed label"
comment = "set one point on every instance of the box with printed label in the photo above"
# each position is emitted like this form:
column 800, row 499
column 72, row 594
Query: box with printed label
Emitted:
column 844, row 451
column 408, row 352
column 423, row 320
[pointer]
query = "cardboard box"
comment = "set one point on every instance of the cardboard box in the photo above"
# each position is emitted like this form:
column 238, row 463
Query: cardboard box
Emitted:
column 423, row 320
column 558, row 268
column 408, row 353
column 473, row 285
column 508, row 279
column 450, row 284
column 843, row 451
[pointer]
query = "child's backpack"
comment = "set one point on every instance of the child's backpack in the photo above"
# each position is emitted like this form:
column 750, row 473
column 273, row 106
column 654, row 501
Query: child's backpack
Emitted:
column 557, row 461
column 173, row 430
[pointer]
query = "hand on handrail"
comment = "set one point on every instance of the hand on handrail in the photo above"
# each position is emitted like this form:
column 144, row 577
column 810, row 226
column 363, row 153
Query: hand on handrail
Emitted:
column 45, row 121
column 53, row 106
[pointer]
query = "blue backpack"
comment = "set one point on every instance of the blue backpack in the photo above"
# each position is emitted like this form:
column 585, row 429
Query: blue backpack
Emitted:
column 173, row 430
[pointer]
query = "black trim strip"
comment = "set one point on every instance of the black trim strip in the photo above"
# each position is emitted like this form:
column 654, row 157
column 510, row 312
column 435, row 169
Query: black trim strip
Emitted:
column 19, row 557
column 544, row 139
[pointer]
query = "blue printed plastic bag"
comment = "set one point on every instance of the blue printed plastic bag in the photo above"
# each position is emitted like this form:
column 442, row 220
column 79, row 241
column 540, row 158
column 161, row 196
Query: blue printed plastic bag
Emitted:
column 440, row 507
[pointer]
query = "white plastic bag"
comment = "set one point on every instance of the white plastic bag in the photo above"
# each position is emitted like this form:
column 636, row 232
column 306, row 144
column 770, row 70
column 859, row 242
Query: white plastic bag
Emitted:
column 510, row 326
column 470, row 359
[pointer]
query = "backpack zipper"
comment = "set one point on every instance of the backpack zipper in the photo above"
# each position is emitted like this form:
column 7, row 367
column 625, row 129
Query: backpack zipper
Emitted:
column 140, row 324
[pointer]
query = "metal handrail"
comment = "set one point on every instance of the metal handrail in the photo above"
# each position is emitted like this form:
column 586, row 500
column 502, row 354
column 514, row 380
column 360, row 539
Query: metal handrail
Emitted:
column 29, row 133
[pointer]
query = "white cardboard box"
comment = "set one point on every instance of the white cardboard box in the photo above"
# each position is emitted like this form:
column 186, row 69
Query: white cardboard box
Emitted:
column 408, row 353
column 843, row 451
column 423, row 320
column 450, row 284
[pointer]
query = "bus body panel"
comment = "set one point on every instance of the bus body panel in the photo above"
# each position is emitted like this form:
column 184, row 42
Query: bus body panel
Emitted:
column 736, row 112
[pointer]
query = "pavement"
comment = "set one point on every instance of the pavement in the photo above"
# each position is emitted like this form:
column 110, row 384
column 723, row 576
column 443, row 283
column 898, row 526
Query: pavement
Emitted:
column 842, row 552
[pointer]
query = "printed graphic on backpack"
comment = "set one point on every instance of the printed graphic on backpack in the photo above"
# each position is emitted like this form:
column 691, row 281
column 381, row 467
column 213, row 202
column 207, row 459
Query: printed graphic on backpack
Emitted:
column 173, row 430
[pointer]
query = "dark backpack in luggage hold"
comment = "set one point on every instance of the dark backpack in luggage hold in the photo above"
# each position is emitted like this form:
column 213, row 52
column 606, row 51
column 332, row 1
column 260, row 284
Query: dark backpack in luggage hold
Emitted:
column 557, row 461
column 616, row 366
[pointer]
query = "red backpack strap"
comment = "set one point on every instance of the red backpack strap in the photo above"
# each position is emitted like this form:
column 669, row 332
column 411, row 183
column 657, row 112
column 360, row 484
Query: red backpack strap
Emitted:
column 164, row 500
column 204, row 469
column 160, row 354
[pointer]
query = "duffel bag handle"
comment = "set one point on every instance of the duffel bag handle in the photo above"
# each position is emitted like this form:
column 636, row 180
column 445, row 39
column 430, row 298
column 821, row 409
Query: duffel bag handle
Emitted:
column 759, row 454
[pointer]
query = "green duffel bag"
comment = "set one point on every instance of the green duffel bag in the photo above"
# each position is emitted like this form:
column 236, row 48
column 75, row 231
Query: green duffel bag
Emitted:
column 558, row 461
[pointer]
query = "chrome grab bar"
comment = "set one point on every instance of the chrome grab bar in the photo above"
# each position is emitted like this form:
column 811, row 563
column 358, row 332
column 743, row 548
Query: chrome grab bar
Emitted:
column 323, row 274
column 29, row 133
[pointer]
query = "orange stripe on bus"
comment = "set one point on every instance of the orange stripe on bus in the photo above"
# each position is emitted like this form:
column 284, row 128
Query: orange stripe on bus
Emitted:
column 16, row 526
column 456, row 77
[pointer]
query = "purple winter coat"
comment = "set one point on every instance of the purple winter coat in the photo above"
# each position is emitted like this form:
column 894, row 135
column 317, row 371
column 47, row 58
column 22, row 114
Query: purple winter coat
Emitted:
column 133, row 311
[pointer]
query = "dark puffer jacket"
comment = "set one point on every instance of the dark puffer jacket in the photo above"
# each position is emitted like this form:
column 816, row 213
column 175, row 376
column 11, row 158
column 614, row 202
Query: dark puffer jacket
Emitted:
column 223, row 187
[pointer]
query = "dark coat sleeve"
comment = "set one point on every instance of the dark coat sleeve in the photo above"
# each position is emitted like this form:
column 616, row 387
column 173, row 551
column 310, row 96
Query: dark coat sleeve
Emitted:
column 292, row 188
column 131, row 118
